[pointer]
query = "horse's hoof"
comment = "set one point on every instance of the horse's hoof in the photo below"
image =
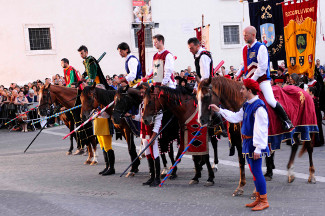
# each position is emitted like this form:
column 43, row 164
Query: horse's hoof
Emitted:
column 268, row 178
column 238, row 192
column 130, row 174
column 209, row 183
column 291, row 178
column 162, row 176
column 311, row 180
column 215, row 167
column 93, row 163
column 192, row 182
column 87, row 162
column 173, row 176
column 69, row 153
column 253, row 196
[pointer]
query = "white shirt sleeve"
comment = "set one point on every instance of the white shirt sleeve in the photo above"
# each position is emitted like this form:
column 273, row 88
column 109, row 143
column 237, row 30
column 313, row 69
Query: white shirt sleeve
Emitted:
column 138, row 116
column 205, row 67
column 232, row 117
column 133, row 68
column 157, row 124
column 169, row 69
column 260, row 133
column 263, row 62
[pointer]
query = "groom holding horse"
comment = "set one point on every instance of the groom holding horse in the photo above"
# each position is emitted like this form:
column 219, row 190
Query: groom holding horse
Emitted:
column 257, row 67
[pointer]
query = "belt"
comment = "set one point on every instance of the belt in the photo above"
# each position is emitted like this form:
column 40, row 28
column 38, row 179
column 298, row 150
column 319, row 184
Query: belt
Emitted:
column 247, row 137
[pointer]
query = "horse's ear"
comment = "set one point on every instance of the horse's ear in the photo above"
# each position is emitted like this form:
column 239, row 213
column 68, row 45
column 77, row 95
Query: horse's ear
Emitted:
column 127, row 87
column 93, row 86
column 209, row 80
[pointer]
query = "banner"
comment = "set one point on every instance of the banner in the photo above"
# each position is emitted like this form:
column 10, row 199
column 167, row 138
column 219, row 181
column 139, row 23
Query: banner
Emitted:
column 142, row 8
column 142, row 49
column 267, row 18
column 203, row 36
column 300, row 36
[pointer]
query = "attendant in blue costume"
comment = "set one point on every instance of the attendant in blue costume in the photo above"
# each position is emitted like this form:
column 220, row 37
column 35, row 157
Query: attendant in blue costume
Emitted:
column 132, row 65
column 257, row 66
column 255, row 136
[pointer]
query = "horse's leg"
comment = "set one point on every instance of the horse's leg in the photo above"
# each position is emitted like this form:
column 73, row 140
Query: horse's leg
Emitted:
column 173, row 175
column 196, row 159
column 94, row 146
column 294, row 148
column 132, row 152
column 90, row 153
column 214, row 143
column 309, row 146
column 269, row 161
column 164, row 160
column 171, row 154
column 210, row 181
column 235, row 140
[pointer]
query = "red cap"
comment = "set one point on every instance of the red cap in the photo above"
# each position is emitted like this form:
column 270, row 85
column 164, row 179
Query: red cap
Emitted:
column 252, row 84
column 227, row 76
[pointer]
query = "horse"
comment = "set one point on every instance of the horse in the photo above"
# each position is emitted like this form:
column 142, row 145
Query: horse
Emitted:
column 67, row 119
column 127, row 98
column 183, row 105
column 226, row 93
column 91, row 98
column 68, row 97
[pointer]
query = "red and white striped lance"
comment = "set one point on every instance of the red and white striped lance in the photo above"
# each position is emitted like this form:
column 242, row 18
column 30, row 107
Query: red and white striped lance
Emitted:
column 218, row 66
column 91, row 118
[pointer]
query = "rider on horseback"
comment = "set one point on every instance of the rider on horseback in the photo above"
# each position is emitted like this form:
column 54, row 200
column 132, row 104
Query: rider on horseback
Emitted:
column 257, row 67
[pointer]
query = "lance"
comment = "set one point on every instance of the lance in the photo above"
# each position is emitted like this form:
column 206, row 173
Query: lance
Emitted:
column 218, row 66
column 57, row 114
column 149, row 80
column 102, row 56
column 58, row 108
column 179, row 159
column 149, row 144
column 91, row 118
column 22, row 114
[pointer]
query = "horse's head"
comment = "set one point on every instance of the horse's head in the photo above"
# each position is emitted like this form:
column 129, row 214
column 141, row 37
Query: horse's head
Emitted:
column 151, row 104
column 205, row 97
column 46, row 99
column 125, row 99
column 88, row 100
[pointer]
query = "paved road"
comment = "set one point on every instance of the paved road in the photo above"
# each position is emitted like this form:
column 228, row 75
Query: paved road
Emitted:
column 45, row 181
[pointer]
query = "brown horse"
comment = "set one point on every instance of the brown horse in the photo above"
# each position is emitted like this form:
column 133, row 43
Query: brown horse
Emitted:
column 226, row 93
column 183, row 106
column 92, row 98
column 68, row 97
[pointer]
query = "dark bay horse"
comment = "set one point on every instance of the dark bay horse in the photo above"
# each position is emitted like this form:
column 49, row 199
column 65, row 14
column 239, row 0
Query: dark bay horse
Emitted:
column 183, row 105
column 68, row 97
column 226, row 92
column 92, row 98
column 127, row 98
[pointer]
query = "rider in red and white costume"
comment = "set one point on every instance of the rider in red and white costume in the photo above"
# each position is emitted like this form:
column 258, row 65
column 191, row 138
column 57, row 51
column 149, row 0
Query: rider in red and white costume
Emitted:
column 256, row 66
column 162, row 64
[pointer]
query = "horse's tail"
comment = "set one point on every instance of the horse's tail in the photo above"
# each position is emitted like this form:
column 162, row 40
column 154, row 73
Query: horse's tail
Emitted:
column 305, row 145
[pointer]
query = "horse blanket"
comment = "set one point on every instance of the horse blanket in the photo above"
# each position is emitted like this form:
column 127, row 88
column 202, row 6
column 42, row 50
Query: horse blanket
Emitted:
column 301, row 111
column 200, row 146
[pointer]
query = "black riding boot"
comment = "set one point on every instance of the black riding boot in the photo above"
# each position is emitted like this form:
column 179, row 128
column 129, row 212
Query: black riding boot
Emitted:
column 286, row 123
column 111, row 160
column 151, row 164
column 106, row 162
column 156, row 182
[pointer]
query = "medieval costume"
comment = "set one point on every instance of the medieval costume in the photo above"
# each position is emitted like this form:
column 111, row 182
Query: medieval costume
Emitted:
column 163, row 69
column 254, row 118
column 203, row 64
column 103, row 129
column 257, row 67
column 94, row 72
column 152, row 153
column 70, row 76
column 133, row 70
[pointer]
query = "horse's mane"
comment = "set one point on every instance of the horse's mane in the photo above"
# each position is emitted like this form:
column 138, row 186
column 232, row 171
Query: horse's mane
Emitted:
column 228, row 91
column 103, row 96
column 174, row 94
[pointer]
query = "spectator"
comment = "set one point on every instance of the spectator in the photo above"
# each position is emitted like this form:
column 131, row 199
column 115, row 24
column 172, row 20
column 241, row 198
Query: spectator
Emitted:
column 31, row 96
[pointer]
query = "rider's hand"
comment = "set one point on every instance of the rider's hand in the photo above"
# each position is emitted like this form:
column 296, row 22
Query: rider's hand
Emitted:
column 256, row 156
column 194, row 91
column 214, row 107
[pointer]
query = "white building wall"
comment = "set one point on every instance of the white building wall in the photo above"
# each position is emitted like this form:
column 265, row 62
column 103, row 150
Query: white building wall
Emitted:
column 102, row 24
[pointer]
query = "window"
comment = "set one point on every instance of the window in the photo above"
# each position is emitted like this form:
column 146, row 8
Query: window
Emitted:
column 231, row 34
column 147, row 37
column 40, row 38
